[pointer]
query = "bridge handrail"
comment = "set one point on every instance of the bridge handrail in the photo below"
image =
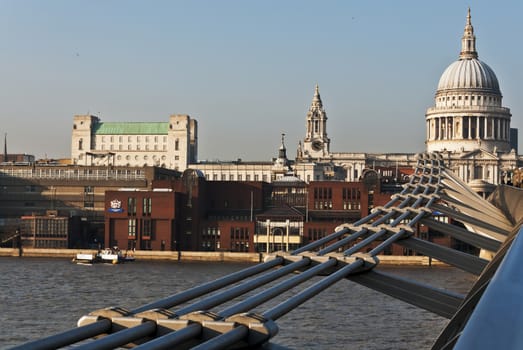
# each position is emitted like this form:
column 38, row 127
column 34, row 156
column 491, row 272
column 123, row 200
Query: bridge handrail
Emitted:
column 494, row 324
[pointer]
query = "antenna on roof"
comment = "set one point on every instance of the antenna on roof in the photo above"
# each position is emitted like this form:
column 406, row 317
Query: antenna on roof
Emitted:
column 5, row 147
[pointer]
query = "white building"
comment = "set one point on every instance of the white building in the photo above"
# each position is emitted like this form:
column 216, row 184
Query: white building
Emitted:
column 468, row 122
column 172, row 144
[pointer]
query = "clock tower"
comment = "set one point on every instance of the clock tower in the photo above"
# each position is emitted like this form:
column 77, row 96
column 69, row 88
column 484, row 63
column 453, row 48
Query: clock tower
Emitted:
column 316, row 143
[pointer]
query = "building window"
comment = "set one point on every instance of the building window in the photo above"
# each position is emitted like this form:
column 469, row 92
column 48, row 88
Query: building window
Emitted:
column 176, row 145
column 88, row 196
column 147, row 206
column 131, row 206
column 239, row 239
column 147, row 231
column 131, row 228
column 81, row 144
column 322, row 198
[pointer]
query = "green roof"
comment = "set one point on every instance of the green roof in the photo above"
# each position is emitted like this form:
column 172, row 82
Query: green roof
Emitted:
column 131, row 128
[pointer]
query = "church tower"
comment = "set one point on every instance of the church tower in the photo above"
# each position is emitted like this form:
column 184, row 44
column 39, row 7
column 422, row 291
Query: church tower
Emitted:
column 316, row 143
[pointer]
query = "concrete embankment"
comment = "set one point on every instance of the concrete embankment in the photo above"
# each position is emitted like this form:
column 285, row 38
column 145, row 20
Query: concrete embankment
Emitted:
column 139, row 255
column 148, row 255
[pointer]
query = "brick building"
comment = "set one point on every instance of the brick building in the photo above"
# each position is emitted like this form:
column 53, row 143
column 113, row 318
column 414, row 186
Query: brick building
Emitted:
column 192, row 213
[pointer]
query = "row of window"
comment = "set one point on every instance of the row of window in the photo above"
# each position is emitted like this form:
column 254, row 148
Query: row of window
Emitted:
column 322, row 193
column 472, row 98
column 352, row 193
column 137, row 138
column 314, row 234
column 147, row 229
column 129, row 146
column 240, row 177
column 239, row 233
column 50, row 243
column 133, row 148
column 147, row 206
column 211, row 232
column 322, row 205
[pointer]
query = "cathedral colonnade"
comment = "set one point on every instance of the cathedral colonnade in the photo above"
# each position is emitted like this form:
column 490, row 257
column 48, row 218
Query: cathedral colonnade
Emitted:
column 468, row 128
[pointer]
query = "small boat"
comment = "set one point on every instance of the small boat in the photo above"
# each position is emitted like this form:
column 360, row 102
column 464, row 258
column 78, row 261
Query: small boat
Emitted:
column 115, row 256
column 108, row 255
column 86, row 258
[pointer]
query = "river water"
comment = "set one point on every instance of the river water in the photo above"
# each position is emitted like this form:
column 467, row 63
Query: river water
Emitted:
column 41, row 297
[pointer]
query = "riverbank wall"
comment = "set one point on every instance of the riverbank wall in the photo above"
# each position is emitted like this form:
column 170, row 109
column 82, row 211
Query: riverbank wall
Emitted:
column 190, row 256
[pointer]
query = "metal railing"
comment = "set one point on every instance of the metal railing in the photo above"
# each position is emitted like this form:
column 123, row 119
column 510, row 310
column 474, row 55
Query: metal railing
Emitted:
column 432, row 189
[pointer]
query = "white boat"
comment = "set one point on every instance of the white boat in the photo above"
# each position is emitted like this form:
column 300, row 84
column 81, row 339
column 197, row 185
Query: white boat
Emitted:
column 108, row 256
column 85, row 258
column 114, row 256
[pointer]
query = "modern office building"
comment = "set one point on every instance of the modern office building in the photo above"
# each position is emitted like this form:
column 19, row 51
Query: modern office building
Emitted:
column 45, row 231
column 72, row 191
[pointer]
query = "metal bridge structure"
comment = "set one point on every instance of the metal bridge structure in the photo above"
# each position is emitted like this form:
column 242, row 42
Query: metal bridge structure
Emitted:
column 489, row 315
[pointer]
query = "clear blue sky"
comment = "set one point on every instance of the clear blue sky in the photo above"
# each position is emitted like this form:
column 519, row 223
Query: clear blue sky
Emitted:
column 245, row 70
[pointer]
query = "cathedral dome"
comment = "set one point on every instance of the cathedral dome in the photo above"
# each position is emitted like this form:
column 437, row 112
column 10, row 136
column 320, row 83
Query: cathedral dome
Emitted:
column 469, row 73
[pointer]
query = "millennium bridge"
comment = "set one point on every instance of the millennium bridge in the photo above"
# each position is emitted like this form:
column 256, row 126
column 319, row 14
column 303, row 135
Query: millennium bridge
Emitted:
column 489, row 315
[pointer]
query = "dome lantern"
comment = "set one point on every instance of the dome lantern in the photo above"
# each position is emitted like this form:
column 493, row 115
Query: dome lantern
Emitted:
column 468, row 41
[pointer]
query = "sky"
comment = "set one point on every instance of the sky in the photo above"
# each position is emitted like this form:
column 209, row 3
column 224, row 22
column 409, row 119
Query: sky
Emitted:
column 246, row 70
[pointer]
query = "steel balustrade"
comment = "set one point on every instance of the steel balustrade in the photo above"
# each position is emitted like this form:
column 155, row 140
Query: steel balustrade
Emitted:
column 432, row 190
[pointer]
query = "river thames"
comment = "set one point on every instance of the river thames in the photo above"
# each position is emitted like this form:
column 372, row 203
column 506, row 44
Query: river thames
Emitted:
column 41, row 297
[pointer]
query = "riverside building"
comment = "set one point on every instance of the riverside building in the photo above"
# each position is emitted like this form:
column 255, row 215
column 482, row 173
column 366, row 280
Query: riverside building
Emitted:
column 29, row 192
column 172, row 144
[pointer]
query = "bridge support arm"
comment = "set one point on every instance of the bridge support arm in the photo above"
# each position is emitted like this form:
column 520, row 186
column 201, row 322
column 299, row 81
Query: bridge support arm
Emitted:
column 457, row 232
column 438, row 301
column 464, row 261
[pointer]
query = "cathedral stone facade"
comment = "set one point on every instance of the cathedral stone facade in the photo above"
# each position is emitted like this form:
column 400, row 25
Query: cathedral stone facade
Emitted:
column 469, row 124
